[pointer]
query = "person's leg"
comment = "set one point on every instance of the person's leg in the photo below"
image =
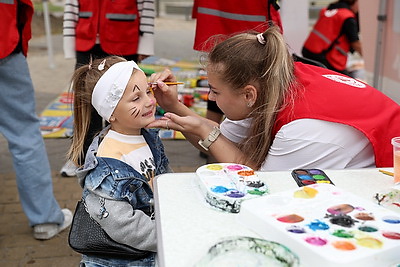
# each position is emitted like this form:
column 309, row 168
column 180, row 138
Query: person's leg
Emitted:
column 20, row 126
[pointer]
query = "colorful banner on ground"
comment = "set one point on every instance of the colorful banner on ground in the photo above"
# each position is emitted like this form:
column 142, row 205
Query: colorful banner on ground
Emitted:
column 56, row 121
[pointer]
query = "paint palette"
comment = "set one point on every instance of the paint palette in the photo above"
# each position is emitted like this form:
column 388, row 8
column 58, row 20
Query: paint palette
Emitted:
column 226, row 185
column 310, row 176
column 326, row 226
column 248, row 251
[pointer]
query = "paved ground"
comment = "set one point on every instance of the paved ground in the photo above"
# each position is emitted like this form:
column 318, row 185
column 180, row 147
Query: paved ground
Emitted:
column 174, row 39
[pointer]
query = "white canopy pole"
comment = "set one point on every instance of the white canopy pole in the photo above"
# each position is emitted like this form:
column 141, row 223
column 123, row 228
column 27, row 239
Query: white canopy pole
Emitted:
column 377, row 82
column 47, row 27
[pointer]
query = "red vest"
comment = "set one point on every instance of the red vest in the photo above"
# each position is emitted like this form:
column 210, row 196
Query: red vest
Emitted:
column 8, row 26
column 326, row 95
column 231, row 16
column 116, row 23
column 326, row 30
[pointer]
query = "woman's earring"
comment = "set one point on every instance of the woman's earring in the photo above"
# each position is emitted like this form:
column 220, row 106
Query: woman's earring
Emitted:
column 250, row 104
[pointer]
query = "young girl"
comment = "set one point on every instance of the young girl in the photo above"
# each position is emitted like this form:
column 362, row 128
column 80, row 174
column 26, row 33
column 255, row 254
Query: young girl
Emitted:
column 123, row 159
column 281, row 114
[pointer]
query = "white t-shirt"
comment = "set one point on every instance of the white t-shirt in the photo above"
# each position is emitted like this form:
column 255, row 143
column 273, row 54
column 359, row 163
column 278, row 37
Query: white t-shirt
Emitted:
column 310, row 143
column 131, row 149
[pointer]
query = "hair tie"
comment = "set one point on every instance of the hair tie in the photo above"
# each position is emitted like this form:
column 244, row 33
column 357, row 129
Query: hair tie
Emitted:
column 261, row 39
column 90, row 62
column 101, row 65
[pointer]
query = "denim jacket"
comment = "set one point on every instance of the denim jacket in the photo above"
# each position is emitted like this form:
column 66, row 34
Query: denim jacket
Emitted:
column 118, row 197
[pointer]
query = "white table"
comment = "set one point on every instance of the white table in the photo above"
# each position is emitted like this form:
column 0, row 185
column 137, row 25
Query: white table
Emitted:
column 187, row 226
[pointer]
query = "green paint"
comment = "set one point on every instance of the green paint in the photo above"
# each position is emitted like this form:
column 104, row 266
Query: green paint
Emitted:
column 368, row 229
column 319, row 177
column 343, row 234
column 256, row 192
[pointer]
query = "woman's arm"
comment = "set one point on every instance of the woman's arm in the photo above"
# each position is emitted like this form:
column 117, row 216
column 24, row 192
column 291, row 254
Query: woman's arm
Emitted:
column 193, row 126
column 196, row 128
column 167, row 98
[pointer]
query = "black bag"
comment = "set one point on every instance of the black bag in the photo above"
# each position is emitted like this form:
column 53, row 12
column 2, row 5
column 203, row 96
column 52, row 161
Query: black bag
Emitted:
column 87, row 237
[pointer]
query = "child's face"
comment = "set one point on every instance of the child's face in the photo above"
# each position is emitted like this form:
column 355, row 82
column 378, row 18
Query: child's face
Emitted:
column 136, row 108
column 230, row 101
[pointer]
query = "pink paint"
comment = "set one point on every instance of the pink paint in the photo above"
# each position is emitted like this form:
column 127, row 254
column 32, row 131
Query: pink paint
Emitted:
column 234, row 167
column 341, row 209
column 316, row 241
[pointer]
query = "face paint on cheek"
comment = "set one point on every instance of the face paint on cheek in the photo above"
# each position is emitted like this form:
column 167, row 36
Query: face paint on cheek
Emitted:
column 135, row 112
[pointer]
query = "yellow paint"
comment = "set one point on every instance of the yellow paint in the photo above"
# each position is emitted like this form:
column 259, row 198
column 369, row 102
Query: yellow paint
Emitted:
column 370, row 242
column 214, row 167
column 305, row 192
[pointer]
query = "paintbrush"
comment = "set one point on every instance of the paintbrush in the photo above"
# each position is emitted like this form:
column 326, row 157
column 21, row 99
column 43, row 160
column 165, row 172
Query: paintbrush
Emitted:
column 168, row 83
column 239, row 183
column 387, row 172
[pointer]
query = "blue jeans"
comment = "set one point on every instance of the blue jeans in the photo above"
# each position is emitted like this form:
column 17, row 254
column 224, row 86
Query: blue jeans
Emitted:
column 88, row 261
column 20, row 126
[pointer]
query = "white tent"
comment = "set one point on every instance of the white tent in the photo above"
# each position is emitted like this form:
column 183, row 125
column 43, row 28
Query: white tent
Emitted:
column 380, row 36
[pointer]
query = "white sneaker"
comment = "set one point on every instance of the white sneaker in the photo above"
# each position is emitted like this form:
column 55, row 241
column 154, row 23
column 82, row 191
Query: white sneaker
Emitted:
column 69, row 169
column 49, row 230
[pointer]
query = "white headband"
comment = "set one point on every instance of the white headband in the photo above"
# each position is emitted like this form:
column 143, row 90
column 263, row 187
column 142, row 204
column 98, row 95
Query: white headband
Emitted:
column 111, row 86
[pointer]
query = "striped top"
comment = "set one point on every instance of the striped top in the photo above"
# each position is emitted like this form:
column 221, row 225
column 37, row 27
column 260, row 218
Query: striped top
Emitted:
column 146, row 10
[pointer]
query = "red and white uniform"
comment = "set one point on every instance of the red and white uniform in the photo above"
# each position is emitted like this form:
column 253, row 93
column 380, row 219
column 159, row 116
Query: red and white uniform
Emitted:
column 333, row 97
column 231, row 16
column 334, row 122
column 326, row 37
column 123, row 27
column 10, row 36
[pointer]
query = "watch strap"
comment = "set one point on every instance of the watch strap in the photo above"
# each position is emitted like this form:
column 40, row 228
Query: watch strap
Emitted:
column 206, row 143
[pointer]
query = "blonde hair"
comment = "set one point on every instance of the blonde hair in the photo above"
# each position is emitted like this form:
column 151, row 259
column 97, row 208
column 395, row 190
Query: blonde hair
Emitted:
column 242, row 60
column 83, row 81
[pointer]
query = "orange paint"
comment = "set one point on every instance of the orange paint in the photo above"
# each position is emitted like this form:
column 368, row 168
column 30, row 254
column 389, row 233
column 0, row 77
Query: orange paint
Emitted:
column 343, row 245
column 246, row 173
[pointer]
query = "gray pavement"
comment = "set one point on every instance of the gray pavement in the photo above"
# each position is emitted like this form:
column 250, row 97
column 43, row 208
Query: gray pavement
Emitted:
column 174, row 39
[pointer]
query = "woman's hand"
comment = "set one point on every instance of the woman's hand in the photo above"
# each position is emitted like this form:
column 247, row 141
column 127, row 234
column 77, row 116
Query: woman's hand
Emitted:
column 166, row 96
column 194, row 125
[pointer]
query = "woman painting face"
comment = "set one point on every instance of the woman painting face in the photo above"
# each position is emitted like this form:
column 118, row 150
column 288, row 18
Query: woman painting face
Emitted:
column 233, row 103
column 136, row 108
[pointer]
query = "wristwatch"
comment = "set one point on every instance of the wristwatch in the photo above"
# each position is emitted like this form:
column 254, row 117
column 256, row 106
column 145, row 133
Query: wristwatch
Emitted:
column 206, row 143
